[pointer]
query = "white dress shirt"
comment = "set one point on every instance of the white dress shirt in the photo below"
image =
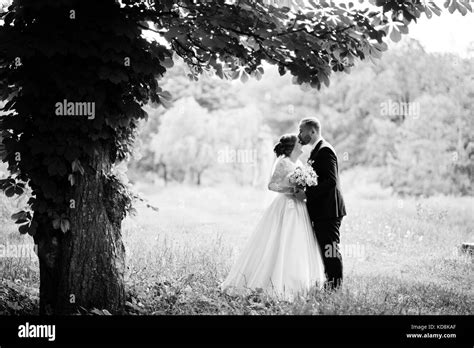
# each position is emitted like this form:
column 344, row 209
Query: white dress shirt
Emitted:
column 314, row 145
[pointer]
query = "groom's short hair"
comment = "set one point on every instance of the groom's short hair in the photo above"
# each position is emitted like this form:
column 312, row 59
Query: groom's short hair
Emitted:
column 312, row 122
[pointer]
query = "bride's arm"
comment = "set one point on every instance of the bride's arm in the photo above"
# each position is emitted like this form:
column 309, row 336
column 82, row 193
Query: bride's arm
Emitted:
column 279, row 181
column 282, row 188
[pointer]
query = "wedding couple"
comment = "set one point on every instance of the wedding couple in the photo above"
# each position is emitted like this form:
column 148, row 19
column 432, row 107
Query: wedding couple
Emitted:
column 295, row 245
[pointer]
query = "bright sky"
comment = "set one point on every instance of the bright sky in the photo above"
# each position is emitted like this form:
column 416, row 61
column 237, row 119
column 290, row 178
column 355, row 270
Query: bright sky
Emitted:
column 446, row 33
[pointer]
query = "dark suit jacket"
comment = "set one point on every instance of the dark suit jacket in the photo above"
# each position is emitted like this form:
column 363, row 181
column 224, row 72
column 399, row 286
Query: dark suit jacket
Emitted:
column 325, row 201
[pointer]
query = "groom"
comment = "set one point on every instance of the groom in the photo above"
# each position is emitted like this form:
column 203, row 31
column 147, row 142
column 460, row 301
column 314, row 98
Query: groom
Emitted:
column 324, row 201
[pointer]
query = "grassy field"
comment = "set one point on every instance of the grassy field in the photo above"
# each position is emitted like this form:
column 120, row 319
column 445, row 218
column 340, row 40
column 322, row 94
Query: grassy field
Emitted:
column 400, row 256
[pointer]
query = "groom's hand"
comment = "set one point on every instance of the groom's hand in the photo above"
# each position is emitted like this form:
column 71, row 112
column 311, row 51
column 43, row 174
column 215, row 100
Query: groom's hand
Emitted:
column 300, row 195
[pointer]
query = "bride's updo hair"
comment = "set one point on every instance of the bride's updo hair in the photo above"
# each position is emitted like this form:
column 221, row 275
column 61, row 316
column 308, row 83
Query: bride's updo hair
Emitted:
column 285, row 145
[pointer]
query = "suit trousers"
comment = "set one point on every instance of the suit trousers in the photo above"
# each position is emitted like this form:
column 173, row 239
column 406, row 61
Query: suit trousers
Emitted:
column 327, row 234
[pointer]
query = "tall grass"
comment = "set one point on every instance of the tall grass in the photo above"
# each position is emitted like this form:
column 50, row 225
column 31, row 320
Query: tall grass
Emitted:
column 407, row 261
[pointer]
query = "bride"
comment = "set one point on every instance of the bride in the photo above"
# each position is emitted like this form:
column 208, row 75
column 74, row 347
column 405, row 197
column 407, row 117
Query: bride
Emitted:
column 282, row 255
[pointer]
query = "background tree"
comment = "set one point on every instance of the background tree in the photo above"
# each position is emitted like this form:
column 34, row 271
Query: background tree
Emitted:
column 93, row 51
column 210, row 93
column 186, row 142
column 433, row 151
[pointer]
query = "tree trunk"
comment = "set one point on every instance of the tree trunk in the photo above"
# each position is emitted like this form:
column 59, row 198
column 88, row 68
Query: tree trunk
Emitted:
column 198, row 178
column 89, row 264
column 165, row 173
column 48, row 250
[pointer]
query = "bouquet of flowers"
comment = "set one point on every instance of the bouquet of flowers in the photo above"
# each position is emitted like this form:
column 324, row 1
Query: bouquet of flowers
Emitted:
column 304, row 176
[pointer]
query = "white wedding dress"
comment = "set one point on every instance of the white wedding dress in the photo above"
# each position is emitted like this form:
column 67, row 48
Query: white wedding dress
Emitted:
column 282, row 256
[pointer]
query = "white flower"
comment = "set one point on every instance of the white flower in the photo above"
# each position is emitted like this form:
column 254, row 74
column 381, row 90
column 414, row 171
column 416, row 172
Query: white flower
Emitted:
column 304, row 176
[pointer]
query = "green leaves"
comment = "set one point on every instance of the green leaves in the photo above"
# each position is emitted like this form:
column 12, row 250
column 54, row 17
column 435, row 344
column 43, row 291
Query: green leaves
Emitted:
column 11, row 187
column 39, row 205
column 244, row 77
column 71, row 179
column 430, row 8
column 305, row 42
column 462, row 6
column 25, row 220
column 20, row 217
column 324, row 77
column 167, row 62
column 165, row 98
column 258, row 73
column 77, row 167
column 100, row 57
column 3, row 152
column 62, row 222
column 116, row 76
column 56, row 165
column 394, row 29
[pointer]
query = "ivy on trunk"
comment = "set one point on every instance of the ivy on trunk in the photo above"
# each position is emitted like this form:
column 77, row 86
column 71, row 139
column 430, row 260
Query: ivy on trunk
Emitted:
column 75, row 75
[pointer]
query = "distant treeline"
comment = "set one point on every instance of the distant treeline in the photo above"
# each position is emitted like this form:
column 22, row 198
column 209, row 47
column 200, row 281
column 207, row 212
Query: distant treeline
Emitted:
column 410, row 113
